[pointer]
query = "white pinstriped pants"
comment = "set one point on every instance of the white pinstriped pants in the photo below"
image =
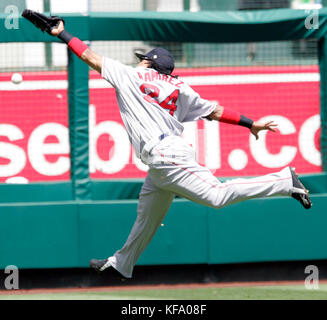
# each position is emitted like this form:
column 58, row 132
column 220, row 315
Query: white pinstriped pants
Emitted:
column 173, row 170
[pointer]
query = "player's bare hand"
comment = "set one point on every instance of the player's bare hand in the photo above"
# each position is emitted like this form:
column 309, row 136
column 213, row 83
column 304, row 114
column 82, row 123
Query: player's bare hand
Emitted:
column 257, row 126
column 55, row 31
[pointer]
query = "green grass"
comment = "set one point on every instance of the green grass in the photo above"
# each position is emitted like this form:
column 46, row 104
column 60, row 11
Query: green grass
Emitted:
column 293, row 292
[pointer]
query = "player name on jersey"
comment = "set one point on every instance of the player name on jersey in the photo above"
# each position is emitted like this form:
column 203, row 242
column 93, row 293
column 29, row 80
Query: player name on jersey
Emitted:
column 154, row 75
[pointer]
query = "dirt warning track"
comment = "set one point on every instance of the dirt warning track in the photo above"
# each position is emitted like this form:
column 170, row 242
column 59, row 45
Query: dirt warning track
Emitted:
column 155, row 287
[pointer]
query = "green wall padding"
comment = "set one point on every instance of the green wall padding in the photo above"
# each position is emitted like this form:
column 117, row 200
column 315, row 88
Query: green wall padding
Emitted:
column 224, row 26
column 268, row 230
column 39, row 236
column 63, row 235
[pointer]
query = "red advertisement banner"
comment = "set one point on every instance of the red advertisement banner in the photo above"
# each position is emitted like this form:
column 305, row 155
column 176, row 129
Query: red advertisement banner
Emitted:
column 34, row 143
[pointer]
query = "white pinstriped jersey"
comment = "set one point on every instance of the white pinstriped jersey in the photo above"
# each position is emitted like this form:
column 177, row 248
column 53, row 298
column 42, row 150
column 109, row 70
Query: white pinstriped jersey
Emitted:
column 152, row 104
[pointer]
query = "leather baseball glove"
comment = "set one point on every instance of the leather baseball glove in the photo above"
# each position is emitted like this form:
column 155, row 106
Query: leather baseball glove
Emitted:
column 41, row 21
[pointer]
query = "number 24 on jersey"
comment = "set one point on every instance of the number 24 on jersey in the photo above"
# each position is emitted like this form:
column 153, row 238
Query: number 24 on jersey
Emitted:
column 152, row 93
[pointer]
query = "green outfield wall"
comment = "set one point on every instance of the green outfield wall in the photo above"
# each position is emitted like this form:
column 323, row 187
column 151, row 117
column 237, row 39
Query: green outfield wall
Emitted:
column 68, row 234
column 43, row 227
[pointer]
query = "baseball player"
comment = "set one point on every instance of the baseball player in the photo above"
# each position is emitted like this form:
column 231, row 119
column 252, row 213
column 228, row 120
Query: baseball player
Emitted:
column 153, row 105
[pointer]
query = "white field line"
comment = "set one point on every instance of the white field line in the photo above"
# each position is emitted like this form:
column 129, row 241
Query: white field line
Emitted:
column 192, row 80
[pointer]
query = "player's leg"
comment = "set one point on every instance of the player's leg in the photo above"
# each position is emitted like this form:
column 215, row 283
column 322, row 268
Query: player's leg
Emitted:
column 175, row 169
column 152, row 208
column 198, row 185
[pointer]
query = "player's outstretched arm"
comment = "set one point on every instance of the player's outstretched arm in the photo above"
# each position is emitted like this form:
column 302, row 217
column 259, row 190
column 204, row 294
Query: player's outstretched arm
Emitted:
column 226, row 115
column 78, row 47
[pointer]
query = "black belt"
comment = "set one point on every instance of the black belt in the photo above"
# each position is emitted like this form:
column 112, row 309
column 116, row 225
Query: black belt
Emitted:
column 163, row 136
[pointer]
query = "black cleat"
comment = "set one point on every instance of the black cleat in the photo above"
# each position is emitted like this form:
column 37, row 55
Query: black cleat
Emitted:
column 299, row 192
column 103, row 264
column 99, row 265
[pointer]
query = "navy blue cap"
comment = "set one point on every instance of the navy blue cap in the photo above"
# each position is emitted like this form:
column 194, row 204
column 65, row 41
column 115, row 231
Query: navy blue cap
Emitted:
column 161, row 58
